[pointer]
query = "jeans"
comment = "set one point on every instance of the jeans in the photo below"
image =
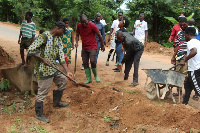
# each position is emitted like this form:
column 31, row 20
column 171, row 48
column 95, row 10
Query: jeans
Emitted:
column 98, row 49
column 134, row 57
column 119, row 53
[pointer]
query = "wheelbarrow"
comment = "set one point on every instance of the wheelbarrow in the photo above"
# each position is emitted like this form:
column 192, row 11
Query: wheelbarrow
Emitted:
column 166, row 79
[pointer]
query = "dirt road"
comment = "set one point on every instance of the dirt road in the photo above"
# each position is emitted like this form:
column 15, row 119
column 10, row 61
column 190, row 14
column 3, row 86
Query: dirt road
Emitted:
column 93, row 110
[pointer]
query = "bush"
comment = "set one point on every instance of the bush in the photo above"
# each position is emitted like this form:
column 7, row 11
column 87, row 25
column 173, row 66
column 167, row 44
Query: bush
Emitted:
column 4, row 85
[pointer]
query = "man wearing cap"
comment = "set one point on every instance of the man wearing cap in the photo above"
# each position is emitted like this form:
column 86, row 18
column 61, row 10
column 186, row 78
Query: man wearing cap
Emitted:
column 48, row 48
column 175, row 30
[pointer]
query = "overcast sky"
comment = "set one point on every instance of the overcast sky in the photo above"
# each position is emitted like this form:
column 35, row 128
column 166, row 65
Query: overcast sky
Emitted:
column 123, row 6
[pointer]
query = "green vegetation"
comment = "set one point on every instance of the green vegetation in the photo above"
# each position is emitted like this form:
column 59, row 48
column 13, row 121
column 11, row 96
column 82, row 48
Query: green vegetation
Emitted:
column 129, row 91
column 18, row 127
column 107, row 118
column 38, row 129
column 157, row 12
column 4, row 85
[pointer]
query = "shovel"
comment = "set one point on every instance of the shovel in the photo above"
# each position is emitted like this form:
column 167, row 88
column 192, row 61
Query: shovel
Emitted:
column 77, row 84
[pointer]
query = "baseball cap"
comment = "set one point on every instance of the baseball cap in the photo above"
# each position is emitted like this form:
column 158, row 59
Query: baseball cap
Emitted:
column 61, row 25
column 182, row 15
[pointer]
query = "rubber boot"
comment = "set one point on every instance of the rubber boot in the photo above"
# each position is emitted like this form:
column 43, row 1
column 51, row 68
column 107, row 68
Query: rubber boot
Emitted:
column 39, row 112
column 94, row 70
column 88, row 76
column 56, row 99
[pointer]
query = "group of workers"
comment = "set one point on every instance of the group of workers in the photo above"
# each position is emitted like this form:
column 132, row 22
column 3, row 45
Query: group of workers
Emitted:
column 55, row 46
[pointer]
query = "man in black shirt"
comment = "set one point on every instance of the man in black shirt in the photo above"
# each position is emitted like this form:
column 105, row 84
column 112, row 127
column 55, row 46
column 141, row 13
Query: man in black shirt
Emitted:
column 134, row 49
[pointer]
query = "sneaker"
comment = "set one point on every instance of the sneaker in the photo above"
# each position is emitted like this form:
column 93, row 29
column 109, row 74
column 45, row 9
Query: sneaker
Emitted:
column 134, row 83
column 107, row 63
column 115, row 69
column 195, row 97
column 116, row 64
column 82, row 68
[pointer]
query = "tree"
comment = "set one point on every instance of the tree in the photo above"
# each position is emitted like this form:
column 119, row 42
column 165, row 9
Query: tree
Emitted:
column 156, row 10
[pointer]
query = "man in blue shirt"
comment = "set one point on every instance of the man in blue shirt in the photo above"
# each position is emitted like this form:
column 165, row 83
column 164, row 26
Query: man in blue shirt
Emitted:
column 198, row 35
column 101, row 28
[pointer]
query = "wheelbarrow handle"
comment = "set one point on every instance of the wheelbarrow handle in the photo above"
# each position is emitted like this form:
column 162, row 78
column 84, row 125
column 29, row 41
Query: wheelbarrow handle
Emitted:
column 174, row 66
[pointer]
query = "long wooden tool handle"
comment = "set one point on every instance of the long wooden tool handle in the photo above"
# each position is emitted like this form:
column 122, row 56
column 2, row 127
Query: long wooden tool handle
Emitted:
column 63, row 73
column 174, row 66
column 75, row 63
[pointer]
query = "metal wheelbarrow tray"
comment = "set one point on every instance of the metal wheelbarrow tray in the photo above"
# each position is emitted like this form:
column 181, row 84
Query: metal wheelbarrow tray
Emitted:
column 167, row 78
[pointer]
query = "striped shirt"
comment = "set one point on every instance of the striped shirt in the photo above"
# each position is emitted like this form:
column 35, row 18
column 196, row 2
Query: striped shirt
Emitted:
column 181, row 44
column 28, row 29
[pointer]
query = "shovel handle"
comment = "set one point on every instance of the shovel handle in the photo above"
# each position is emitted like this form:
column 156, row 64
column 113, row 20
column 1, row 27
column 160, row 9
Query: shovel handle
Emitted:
column 63, row 73
column 75, row 63
column 174, row 66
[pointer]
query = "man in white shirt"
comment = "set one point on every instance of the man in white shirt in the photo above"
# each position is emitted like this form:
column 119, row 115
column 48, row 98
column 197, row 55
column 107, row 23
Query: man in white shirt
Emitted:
column 103, row 21
column 140, row 29
column 193, row 58
column 114, row 28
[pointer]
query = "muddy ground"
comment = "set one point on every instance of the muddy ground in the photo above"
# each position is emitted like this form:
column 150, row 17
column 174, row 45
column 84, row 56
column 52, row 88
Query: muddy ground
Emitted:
column 99, row 109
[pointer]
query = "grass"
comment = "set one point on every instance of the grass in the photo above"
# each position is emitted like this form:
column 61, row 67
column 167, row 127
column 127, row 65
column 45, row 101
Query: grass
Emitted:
column 38, row 129
column 8, row 110
column 107, row 118
column 129, row 91
column 17, row 127
column 157, row 103
column 128, row 100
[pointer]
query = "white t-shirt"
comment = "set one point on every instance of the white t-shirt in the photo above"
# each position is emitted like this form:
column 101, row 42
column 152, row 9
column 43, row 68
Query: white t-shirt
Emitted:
column 115, row 26
column 140, row 28
column 103, row 22
column 194, row 62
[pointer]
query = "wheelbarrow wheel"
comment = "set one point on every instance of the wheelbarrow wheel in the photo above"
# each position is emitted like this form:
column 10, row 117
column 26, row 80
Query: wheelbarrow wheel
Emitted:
column 151, row 91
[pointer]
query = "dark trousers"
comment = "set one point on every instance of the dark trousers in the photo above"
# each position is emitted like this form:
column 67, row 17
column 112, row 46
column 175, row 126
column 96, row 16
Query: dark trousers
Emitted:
column 134, row 57
column 89, row 54
column 192, row 82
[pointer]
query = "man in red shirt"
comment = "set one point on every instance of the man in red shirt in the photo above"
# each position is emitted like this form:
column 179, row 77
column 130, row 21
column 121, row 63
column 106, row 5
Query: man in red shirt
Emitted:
column 175, row 30
column 87, row 31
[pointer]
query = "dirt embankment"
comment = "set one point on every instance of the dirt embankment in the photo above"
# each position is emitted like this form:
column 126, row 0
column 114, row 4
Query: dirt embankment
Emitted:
column 154, row 47
column 5, row 58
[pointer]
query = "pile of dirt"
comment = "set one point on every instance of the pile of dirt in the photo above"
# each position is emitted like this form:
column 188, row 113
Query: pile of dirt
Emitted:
column 5, row 58
column 102, row 109
column 154, row 47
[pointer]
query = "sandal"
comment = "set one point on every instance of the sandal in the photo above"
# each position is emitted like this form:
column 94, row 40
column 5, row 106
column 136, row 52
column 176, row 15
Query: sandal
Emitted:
column 134, row 83
column 175, row 94
column 195, row 97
